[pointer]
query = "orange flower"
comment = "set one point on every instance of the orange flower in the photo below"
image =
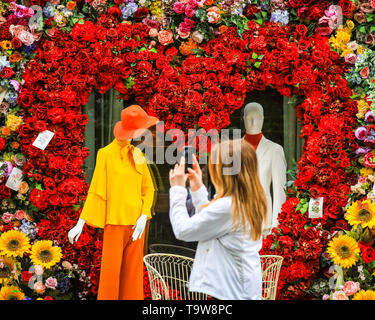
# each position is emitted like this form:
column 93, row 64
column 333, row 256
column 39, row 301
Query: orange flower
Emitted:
column 23, row 187
column 15, row 57
column 222, row 29
column 15, row 145
column 208, row 2
column 187, row 47
column 6, row 45
column 71, row 5
column 5, row 131
column 213, row 15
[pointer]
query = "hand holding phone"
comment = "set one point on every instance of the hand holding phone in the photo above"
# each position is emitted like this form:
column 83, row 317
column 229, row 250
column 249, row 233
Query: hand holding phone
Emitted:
column 188, row 155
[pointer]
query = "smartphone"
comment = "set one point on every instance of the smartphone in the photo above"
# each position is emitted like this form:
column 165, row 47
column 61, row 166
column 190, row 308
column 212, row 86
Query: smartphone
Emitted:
column 188, row 155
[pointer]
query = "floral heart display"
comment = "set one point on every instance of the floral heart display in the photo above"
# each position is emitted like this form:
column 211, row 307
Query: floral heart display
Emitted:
column 198, row 84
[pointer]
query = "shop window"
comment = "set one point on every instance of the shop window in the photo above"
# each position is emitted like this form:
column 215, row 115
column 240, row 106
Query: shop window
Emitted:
column 280, row 125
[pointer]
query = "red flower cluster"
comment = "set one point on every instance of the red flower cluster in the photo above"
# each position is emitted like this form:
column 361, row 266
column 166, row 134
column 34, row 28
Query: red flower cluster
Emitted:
column 201, row 90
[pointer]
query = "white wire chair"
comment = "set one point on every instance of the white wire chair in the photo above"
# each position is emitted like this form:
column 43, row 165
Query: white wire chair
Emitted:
column 169, row 277
column 171, row 249
column 271, row 266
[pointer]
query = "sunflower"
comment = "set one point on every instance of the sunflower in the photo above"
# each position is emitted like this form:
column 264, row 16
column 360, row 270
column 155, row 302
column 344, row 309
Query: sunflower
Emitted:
column 11, row 293
column 44, row 254
column 364, row 295
column 8, row 270
column 361, row 213
column 344, row 251
column 14, row 243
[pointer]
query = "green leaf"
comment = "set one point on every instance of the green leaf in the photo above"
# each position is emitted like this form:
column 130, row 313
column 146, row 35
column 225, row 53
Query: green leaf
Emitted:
column 259, row 21
column 362, row 29
column 254, row 55
column 257, row 64
column 129, row 82
column 38, row 186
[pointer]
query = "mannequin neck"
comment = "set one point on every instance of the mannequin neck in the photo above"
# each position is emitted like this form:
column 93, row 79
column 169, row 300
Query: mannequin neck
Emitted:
column 123, row 143
column 254, row 139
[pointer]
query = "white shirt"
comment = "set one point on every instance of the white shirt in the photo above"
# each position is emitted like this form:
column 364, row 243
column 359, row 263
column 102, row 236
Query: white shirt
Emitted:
column 272, row 169
column 227, row 263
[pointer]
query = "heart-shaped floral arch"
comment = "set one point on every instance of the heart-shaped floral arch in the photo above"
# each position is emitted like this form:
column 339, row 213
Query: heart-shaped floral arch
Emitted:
column 203, row 88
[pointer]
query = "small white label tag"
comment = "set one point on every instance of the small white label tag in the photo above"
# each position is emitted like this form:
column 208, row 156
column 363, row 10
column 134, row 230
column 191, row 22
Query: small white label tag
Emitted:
column 43, row 139
column 15, row 179
column 316, row 208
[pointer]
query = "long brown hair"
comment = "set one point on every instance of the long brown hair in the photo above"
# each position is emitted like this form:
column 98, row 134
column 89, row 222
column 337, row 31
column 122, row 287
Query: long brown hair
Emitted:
column 249, row 202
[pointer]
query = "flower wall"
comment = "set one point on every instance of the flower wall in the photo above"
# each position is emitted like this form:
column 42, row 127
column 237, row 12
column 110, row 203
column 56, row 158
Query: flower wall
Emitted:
column 191, row 63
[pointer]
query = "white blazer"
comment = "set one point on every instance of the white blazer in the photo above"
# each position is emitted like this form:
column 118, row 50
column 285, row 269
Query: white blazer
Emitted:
column 272, row 169
column 227, row 263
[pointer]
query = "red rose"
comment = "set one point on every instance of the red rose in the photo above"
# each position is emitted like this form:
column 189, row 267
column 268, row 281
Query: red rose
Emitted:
column 347, row 7
column 2, row 143
column 114, row 11
column 368, row 253
column 305, row 174
column 6, row 72
column 26, row 276
column 140, row 13
column 25, row 98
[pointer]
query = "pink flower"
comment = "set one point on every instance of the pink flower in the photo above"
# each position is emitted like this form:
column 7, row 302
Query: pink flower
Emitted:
column 179, row 8
column 365, row 72
column 184, row 27
column 373, row 4
column 19, row 215
column 350, row 58
column 182, row 34
column 360, row 133
column 26, row 37
column 189, row 12
column 339, row 295
column 351, row 287
column 165, row 37
column 39, row 287
column 7, row 217
column 38, row 270
column 331, row 12
column 325, row 26
column 51, row 283
column 325, row 297
column 153, row 33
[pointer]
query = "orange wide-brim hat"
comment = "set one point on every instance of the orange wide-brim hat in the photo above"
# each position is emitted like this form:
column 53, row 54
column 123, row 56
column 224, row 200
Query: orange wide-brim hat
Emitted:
column 134, row 122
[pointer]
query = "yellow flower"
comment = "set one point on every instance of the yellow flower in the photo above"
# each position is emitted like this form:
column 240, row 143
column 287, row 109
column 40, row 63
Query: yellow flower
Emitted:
column 361, row 213
column 6, row 45
column 346, row 50
column 343, row 37
column 350, row 24
column 364, row 172
column 362, row 106
column 360, row 50
column 13, row 122
column 44, row 254
column 9, row 266
column 344, row 251
column 364, row 295
column 11, row 293
column 14, row 243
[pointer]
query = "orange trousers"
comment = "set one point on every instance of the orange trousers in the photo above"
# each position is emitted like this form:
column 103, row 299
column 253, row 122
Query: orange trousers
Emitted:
column 121, row 272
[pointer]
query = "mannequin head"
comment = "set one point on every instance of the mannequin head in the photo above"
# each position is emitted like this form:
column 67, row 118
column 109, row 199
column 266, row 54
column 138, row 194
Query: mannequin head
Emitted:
column 253, row 118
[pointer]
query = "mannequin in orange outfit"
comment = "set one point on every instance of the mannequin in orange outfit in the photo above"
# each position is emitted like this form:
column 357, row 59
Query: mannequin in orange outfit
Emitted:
column 120, row 201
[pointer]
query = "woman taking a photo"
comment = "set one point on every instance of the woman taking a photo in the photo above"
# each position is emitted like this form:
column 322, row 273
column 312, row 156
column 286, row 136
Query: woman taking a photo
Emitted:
column 228, row 228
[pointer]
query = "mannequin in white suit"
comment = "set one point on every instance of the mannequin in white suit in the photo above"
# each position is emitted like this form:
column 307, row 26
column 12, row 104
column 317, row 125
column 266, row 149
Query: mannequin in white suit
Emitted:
column 271, row 163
